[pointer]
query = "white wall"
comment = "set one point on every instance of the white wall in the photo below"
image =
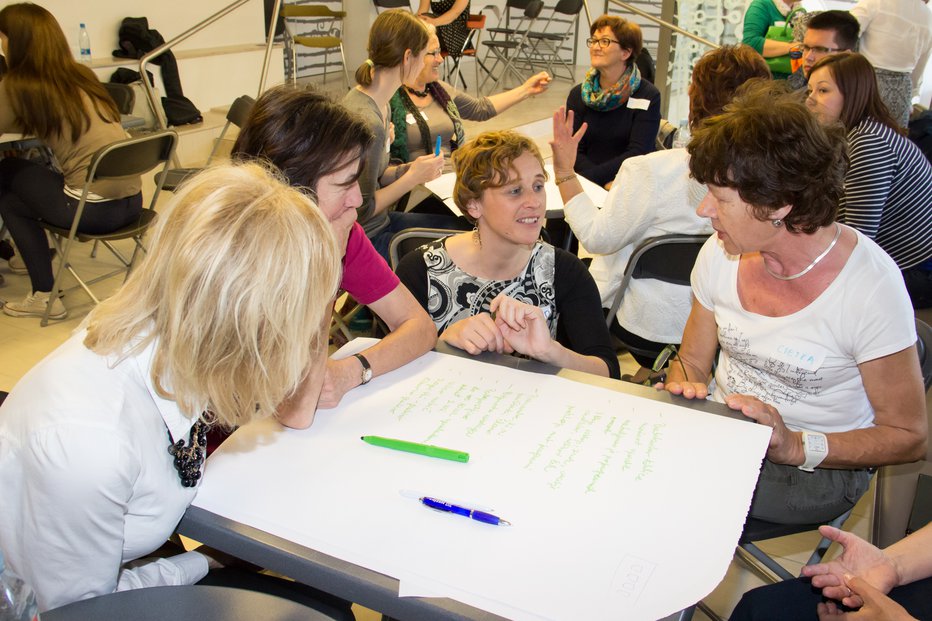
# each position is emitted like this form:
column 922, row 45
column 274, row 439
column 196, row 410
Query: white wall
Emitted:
column 210, row 81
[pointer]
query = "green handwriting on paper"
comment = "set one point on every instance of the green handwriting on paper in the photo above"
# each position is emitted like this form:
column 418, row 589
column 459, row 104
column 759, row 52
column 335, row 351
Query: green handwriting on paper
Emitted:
column 595, row 445
column 579, row 450
column 454, row 404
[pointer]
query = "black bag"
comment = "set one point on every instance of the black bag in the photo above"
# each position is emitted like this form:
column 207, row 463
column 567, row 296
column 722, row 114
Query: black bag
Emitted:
column 137, row 40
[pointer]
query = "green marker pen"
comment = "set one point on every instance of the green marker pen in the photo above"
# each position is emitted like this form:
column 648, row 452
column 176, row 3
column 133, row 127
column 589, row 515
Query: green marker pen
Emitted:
column 420, row 449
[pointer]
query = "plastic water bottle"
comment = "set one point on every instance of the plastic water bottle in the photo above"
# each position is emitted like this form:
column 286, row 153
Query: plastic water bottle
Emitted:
column 17, row 599
column 84, row 42
column 682, row 136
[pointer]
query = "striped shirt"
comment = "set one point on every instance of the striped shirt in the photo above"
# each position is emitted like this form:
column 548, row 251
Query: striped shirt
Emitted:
column 888, row 192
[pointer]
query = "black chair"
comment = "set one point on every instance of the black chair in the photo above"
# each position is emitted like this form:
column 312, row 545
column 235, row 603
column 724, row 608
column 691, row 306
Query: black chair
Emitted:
column 236, row 115
column 122, row 95
column 516, row 6
column 546, row 44
column 668, row 258
column 410, row 240
column 381, row 5
column 125, row 158
column 507, row 51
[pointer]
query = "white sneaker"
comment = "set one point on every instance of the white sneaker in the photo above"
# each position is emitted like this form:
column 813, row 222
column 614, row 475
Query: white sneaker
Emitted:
column 16, row 265
column 34, row 306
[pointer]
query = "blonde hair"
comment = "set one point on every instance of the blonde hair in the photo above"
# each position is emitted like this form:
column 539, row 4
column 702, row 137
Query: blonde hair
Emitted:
column 392, row 34
column 485, row 162
column 234, row 293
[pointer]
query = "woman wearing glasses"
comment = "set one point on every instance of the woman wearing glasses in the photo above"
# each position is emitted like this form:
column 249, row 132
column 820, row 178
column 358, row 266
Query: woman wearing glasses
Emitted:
column 426, row 107
column 621, row 108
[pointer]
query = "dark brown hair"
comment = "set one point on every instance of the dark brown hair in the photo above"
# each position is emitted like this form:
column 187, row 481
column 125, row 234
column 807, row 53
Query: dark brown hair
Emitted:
column 485, row 162
column 392, row 34
column 628, row 33
column 304, row 134
column 718, row 74
column 846, row 27
column 855, row 78
column 773, row 151
column 45, row 84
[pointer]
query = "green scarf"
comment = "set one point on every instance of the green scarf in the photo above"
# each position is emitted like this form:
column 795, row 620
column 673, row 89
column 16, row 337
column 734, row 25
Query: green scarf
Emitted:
column 401, row 106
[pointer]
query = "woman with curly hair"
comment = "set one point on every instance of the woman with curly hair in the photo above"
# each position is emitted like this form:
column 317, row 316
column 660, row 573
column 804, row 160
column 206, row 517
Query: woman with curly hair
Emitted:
column 815, row 328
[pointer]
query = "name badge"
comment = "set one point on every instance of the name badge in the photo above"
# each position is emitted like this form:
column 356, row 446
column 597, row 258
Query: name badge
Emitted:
column 638, row 104
column 804, row 357
column 409, row 119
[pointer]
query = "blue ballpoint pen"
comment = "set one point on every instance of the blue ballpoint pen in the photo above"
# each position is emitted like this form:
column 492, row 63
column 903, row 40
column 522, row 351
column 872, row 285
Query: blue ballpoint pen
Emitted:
column 479, row 516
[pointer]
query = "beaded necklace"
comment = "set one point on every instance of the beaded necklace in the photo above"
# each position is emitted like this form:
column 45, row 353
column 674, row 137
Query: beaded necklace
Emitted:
column 188, row 459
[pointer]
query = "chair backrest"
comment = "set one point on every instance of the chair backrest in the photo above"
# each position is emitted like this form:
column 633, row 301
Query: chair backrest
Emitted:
column 924, row 347
column 666, row 134
column 133, row 156
column 240, row 110
column 310, row 10
column 533, row 9
column 123, row 95
column 409, row 240
column 669, row 258
column 568, row 7
column 392, row 4
column 896, row 485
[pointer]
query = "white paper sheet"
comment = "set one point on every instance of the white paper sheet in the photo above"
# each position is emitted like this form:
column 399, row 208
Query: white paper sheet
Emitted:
column 622, row 507
column 442, row 187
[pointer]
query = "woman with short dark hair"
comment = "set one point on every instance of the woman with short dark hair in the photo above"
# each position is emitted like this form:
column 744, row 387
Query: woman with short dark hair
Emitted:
column 621, row 107
column 321, row 146
column 816, row 332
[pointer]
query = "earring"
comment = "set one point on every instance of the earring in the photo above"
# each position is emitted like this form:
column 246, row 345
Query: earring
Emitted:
column 475, row 235
column 776, row 223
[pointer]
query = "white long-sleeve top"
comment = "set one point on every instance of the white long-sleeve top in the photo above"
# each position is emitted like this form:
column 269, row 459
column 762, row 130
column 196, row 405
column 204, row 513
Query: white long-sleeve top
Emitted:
column 896, row 35
column 86, row 481
column 651, row 195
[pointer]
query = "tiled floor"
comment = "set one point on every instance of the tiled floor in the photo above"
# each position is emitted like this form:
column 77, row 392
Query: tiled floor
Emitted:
column 23, row 343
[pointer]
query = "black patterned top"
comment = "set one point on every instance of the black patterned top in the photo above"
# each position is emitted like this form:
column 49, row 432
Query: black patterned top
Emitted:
column 553, row 279
column 453, row 35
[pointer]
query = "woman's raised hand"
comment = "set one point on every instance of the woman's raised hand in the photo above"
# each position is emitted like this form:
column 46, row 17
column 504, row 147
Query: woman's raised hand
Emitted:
column 565, row 143
column 537, row 83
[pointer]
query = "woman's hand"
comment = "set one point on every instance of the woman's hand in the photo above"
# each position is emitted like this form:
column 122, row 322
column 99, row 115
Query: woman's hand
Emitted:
column 785, row 445
column 877, row 606
column 426, row 168
column 858, row 558
column 523, row 327
column 565, row 143
column 689, row 390
column 536, row 84
column 475, row 334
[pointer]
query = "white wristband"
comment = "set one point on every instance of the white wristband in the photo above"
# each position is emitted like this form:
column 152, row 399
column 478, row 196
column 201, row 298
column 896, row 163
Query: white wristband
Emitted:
column 815, row 446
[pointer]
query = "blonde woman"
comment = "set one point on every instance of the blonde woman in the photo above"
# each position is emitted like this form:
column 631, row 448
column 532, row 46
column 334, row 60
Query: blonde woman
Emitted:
column 101, row 444
column 397, row 48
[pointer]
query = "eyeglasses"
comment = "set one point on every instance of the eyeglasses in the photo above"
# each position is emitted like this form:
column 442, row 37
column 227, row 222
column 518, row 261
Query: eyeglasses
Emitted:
column 603, row 43
column 818, row 49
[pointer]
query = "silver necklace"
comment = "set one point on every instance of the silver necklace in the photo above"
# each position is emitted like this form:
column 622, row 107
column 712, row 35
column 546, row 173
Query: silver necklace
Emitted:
column 814, row 261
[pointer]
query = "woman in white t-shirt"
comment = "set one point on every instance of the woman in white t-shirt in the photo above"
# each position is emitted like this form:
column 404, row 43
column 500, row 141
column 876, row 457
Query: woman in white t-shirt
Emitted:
column 815, row 327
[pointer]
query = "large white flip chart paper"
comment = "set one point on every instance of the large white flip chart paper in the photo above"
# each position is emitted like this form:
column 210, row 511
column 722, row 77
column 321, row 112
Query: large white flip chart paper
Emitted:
column 621, row 507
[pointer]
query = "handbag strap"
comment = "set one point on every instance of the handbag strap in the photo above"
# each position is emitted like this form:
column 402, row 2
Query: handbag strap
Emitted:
column 789, row 18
